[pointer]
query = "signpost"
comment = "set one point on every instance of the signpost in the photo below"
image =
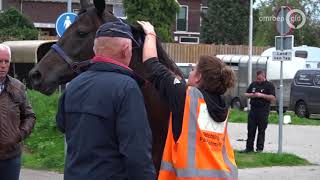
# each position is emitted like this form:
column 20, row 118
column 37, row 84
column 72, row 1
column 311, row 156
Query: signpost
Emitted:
column 282, row 43
column 287, row 42
column 282, row 55
column 64, row 21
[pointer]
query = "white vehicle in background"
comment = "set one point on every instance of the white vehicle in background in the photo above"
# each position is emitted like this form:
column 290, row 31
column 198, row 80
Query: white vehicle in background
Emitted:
column 311, row 54
column 239, row 63
column 186, row 68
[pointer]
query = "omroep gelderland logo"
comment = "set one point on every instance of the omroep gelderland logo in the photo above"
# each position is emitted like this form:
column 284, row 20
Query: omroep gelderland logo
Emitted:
column 294, row 18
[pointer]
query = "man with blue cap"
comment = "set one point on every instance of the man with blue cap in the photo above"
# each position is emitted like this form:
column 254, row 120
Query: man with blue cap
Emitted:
column 103, row 116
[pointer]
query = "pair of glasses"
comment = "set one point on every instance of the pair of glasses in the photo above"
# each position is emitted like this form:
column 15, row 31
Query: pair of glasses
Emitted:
column 4, row 61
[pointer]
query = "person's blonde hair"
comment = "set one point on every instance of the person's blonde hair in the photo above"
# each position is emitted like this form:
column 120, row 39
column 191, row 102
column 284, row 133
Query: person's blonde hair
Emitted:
column 216, row 76
column 6, row 48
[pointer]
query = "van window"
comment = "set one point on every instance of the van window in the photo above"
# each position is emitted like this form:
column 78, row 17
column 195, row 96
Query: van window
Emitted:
column 317, row 80
column 304, row 79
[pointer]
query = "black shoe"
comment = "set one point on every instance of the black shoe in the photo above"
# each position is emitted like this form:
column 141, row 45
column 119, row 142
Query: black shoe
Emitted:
column 259, row 150
column 246, row 151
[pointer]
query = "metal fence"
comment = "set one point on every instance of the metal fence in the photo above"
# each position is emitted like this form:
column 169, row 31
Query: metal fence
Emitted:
column 190, row 53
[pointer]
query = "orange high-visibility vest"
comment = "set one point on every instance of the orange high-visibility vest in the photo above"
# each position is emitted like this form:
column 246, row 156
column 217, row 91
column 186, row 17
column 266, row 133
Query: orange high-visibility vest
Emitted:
column 203, row 150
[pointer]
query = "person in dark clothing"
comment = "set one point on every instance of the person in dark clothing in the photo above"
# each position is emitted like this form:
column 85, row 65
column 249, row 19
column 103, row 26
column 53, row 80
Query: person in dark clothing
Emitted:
column 211, row 78
column 103, row 116
column 262, row 93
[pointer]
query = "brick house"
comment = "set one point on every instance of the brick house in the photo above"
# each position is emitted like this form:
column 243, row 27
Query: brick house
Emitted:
column 44, row 13
column 188, row 21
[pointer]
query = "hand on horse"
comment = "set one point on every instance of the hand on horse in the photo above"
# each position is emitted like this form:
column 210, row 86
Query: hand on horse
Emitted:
column 147, row 27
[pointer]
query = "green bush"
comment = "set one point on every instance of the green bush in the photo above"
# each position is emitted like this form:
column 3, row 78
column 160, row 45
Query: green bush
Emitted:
column 15, row 26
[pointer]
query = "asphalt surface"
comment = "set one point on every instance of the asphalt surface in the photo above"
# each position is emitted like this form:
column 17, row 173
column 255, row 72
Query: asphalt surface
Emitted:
column 299, row 140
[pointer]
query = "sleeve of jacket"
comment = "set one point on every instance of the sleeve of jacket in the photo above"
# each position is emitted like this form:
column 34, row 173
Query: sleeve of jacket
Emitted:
column 169, row 86
column 60, row 114
column 27, row 116
column 134, row 134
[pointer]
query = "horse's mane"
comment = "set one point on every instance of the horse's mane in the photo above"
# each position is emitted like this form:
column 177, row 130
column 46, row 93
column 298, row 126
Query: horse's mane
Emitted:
column 163, row 57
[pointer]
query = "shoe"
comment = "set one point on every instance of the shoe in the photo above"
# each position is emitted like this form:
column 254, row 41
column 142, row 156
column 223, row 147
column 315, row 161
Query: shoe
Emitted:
column 259, row 150
column 246, row 151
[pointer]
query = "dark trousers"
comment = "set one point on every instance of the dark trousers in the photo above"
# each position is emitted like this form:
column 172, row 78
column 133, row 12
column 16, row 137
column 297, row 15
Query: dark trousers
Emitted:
column 257, row 118
column 10, row 168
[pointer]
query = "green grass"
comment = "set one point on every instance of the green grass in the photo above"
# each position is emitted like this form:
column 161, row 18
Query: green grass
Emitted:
column 237, row 116
column 252, row 160
column 44, row 149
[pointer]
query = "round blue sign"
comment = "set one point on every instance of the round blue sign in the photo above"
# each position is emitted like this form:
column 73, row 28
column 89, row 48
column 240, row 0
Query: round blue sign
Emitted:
column 64, row 21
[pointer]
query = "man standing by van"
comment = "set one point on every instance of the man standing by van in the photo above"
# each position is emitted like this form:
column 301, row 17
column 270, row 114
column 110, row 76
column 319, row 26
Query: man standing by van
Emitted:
column 262, row 93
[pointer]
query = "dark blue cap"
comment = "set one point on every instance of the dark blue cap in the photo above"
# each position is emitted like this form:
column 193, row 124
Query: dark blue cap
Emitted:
column 116, row 29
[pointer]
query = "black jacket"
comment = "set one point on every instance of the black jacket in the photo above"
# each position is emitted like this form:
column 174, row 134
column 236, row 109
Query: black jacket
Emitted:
column 174, row 92
column 103, row 116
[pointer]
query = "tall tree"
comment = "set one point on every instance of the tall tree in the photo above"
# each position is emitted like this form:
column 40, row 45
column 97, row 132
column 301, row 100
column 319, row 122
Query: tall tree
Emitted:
column 15, row 26
column 226, row 22
column 161, row 13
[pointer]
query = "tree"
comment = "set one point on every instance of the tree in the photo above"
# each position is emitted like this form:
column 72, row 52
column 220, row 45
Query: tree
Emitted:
column 226, row 22
column 161, row 13
column 15, row 26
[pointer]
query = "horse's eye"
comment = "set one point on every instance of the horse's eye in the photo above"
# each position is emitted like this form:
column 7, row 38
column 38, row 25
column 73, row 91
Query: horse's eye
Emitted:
column 82, row 33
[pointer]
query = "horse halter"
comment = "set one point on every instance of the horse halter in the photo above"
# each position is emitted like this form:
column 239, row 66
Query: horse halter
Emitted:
column 75, row 66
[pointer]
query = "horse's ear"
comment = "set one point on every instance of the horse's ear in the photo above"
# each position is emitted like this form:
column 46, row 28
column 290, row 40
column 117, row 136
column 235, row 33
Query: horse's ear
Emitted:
column 84, row 4
column 100, row 5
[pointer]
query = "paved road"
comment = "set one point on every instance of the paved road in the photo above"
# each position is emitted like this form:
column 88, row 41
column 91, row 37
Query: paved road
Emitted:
column 300, row 140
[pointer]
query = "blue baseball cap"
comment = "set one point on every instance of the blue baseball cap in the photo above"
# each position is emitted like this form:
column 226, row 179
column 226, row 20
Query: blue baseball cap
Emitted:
column 116, row 29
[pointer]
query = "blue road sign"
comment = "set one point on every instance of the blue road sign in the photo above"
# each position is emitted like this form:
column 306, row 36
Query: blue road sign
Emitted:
column 64, row 21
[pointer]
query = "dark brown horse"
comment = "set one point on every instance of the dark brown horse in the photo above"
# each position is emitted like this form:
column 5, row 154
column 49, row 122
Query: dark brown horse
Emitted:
column 76, row 45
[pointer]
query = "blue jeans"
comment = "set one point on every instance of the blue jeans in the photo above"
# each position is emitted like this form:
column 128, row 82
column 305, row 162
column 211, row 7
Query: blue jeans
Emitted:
column 10, row 168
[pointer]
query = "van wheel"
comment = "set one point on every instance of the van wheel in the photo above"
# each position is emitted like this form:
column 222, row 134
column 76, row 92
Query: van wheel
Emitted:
column 302, row 110
column 236, row 104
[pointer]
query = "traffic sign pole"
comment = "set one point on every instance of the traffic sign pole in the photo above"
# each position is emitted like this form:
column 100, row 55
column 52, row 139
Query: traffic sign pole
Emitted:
column 281, row 82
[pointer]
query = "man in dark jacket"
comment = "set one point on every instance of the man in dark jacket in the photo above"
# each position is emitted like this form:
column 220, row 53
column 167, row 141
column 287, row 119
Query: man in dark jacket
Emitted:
column 103, row 115
column 16, row 119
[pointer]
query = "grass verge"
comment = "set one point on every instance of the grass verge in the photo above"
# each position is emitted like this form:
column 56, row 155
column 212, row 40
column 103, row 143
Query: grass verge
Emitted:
column 238, row 116
column 253, row 160
column 44, row 149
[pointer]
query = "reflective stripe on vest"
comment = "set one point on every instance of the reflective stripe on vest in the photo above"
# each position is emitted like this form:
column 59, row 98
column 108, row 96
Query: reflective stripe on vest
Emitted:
column 191, row 171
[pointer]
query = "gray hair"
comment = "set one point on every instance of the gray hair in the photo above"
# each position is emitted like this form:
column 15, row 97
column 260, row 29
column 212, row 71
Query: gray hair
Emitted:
column 6, row 48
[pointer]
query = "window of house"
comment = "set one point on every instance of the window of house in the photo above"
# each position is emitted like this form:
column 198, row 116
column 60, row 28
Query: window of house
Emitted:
column 117, row 10
column 189, row 40
column 204, row 11
column 182, row 18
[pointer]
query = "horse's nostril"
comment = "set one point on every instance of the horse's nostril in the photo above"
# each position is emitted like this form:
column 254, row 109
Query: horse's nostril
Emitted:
column 35, row 77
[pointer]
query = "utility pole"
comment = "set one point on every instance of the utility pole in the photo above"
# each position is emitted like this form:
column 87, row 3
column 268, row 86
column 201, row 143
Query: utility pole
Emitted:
column 69, row 5
column 250, row 49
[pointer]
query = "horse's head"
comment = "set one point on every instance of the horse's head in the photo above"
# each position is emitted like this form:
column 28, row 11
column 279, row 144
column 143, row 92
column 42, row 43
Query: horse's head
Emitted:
column 75, row 45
